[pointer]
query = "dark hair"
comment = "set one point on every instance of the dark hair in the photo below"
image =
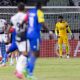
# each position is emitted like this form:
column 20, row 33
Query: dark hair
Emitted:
column 21, row 6
column 60, row 17
column 38, row 5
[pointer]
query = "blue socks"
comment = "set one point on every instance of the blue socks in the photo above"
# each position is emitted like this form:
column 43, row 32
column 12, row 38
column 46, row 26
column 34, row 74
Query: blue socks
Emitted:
column 3, row 51
column 31, row 64
column 4, row 58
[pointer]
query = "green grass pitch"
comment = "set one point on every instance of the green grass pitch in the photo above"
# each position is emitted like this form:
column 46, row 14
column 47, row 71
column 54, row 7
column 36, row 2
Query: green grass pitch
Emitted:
column 49, row 69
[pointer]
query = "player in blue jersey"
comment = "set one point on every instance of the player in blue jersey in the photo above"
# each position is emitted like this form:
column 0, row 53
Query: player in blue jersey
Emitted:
column 35, row 22
column 13, row 46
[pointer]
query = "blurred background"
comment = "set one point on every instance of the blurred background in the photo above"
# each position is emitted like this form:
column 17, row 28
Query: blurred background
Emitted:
column 44, row 2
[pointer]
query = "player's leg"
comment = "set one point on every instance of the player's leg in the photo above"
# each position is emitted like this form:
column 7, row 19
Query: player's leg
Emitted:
column 12, row 48
column 65, row 41
column 16, row 55
column 12, row 58
column 22, row 60
column 33, row 54
column 60, row 42
column 3, row 51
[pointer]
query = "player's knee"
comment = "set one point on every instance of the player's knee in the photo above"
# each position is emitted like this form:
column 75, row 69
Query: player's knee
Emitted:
column 60, row 47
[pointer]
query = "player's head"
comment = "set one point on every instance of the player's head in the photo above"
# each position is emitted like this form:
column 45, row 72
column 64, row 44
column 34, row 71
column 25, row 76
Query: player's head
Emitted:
column 38, row 5
column 21, row 7
column 60, row 18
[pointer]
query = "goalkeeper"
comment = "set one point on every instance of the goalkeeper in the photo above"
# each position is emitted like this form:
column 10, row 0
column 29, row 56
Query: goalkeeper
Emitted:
column 61, row 32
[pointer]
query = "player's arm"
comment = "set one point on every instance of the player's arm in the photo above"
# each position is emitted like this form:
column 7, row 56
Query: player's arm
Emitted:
column 69, row 30
column 56, row 31
column 11, row 27
column 41, row 20
column 25, row 21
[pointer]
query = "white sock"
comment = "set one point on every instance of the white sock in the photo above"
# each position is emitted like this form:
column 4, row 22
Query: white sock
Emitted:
column 11, row 61
column 21, row 63
column 16, row 59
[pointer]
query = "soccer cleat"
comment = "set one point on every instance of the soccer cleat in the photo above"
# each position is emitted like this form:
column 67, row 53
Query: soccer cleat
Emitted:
column 31, row 77
column 68, row 56
column 21, row 75
column 60, row 56
column 3, row 65
column 18, row 75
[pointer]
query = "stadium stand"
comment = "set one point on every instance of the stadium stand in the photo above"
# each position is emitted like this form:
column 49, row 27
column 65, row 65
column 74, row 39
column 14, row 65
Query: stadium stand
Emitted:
column 44, row 2
column 58, row 3
column 15, row 2
column 32, row 2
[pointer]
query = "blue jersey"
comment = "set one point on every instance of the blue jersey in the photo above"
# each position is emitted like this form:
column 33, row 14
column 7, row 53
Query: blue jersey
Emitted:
column 13, row 34
column 34, row 26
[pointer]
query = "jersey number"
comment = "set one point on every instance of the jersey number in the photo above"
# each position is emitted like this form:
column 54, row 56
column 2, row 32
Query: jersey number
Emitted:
column 18, row 26
column 31, row 21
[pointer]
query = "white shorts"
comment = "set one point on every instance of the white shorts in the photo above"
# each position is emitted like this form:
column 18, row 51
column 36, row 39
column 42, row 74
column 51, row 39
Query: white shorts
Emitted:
column 21, row 46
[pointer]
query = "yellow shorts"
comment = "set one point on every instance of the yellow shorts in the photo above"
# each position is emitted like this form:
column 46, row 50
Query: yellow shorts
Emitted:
column 63, row 40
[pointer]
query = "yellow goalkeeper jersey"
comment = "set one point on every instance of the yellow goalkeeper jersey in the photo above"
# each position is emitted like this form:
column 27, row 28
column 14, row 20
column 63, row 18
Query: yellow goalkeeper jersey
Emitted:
column 61, row 28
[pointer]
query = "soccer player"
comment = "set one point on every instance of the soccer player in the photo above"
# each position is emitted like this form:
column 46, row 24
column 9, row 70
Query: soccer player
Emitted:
column 16, row 20
column 61, row 32
column 3, row 40
column 13, row 47
column 11, row 43
column 13, row 54
column 35, row 22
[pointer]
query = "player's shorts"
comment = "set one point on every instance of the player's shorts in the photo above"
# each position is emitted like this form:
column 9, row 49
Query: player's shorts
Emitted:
column 21, row 46
column 12, row 47
column 33, row 44
column 63, row 40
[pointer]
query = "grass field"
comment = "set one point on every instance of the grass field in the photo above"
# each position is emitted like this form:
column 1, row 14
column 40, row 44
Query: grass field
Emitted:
column 49, row 69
